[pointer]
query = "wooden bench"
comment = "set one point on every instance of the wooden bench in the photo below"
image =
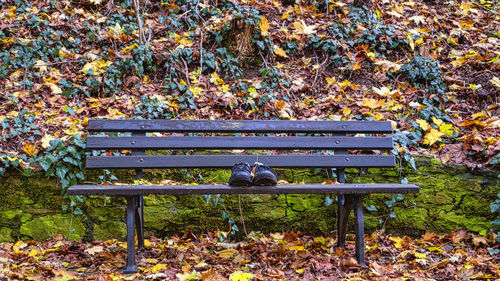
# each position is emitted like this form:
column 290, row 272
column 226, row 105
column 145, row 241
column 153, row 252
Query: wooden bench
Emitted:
column 302, row 137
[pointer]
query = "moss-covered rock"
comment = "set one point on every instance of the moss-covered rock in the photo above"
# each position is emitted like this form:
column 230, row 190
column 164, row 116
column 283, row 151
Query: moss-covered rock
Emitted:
column 45, row 227
column 110, row 229
column 6, row 235
column 451, row 197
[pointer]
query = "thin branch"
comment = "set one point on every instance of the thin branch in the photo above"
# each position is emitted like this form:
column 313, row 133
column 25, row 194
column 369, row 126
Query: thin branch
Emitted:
column 142, row 37
column 241, row 215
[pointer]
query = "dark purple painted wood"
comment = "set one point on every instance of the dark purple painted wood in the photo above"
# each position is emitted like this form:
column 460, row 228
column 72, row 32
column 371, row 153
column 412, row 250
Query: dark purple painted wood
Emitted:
column 227, row 161
column 245, row 142
column 247, row 126
column 346, row 188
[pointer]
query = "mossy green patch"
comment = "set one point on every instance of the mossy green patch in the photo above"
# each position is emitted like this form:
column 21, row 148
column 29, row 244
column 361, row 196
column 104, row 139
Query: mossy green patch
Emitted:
column 110, row 229
column 45, row 227
column 6, row 235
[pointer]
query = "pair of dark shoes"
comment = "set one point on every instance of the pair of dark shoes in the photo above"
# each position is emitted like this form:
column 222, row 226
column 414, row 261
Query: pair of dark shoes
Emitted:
column 243, row 174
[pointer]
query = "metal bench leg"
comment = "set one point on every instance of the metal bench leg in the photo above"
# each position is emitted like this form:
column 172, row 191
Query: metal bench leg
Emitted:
column 139, row 222
column 343, row 212
column 360, row 229
column 131, row 268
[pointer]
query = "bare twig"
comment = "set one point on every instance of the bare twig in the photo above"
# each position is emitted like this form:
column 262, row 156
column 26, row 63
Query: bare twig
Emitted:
column 201, row 57
column 241, row 215
column 142, row 37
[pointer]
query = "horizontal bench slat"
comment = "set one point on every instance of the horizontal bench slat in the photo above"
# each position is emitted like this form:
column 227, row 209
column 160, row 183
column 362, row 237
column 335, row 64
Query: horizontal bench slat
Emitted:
column 227, row 161
column 134, row 190
column 243, row 126
column 244, row 142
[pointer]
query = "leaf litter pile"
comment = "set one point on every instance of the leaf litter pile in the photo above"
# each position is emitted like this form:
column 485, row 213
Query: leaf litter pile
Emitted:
column 288, row 256
column 431, row 67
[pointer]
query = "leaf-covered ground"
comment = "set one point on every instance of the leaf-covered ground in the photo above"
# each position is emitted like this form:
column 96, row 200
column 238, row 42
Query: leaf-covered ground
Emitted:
column 432, row 67
column 280, row 256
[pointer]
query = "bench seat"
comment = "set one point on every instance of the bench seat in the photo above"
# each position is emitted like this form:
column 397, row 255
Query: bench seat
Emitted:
column 344, row 188
column 176, row 144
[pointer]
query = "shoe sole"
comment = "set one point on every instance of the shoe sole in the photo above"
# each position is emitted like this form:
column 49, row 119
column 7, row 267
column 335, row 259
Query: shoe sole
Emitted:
column 240, row 181
column 267, row 179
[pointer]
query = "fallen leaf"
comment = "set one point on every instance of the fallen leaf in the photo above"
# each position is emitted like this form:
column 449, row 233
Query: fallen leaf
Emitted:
column 264, row 26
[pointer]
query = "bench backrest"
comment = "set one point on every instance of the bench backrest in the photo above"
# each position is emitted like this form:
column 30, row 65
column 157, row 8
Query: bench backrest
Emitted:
column 337, row 136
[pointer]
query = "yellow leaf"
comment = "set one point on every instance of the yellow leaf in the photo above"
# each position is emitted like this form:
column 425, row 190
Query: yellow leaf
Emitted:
column 398, row 242
column 241, row 276
column 15, row 75
column 214, row 78
column 33, row 253
column 195, row 90
column 480, row 115
column 410, row 41
column 372, row 103
column 54, row 88
column 114, row 112
column 495, row 81
column 423, row 124
column 419, row 41
column 280, row 105
column 302, row 28
column 330, row 80
column 116, row 30
column 464, row 8
column 346, row 111
column 158, row 267
column 127, row 49
column 437, row 121
column 24, row 40
column 432, row 137
column 227, row 253
column 386, row 65
column 30, row 149
column 46, row 141
column 420, row 255
column 98, row 67
column 41, row 65
column 65, row 53
column 384, row 91
column 447, row 129
column 264, row 26
column 280, row 52
column 459, row 62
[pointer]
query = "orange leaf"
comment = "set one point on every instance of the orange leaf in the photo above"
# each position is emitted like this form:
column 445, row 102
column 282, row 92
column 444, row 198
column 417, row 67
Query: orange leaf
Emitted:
column 30, row 149
column 372, row 103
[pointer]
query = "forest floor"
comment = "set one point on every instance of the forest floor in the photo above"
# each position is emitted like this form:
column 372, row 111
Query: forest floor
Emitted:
column 279, row 256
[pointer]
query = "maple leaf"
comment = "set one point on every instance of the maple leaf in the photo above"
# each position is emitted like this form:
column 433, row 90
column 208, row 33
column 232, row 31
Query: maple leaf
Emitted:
column 418, row 19
column 302, row 28
column 432, row 137
column 372, row 103
column 330, row 80
column 41, row 65
column 30, row 149
column 158, row 267
column 96, row 67
column 423, row 124
column 386, row 65
column 264, row 26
